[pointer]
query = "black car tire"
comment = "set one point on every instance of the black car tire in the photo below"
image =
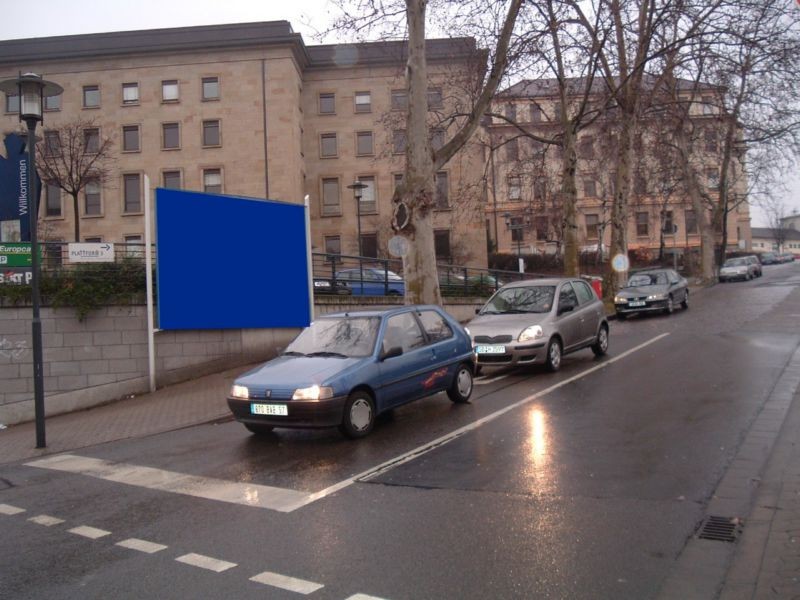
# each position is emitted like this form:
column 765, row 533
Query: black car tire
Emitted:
column 600, row 347
column 461, row 388
column 670, row 308
column 685, row 302
column 359, row 415
column 554, row 355
column 258, row 429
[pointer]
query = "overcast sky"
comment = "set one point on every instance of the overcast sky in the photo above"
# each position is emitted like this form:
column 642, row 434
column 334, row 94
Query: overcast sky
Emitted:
column 308, row 17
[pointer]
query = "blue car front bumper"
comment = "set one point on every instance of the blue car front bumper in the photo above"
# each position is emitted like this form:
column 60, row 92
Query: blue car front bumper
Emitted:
column 301, row 414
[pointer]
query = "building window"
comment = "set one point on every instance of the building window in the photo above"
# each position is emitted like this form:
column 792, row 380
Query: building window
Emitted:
column 91, row 96
column 669, row 225
column 586, row 147
column 364, row 143
column 172, row 180
column 592, row 227
column 399, row 141
column 91, row 140
column 212, row 181
column 369, row 204
column 369, row 245
column 398, row 179
column 441, row 243
column 540, row 189
column 517, row 227
column 210, row 88
column 434, row 97
column 130, row 138
column 327, row 104
column 708, row 105
column 536, row 113
column 437, row 138
column 642, row 224
column 132, row 201
column 711, row 140
column 557, row 111
column 540, row 226
column 170, row 91
column 12, row 103
column 590, row 188
column 53, row 200
column 327, row 148
column 330, row 197
column 363, row 102
column 52, row 102
column 399, row 100
column 93, row 240
column 442, row 190
column 52, row 143
column 91, row 198
column 690, row 220
column 333, row 244
column 512, row 149
column 511, row 111
column 133, row 245
column 170, row 136
column 712, row 175
column 211, row 134
column 130, row 93
column 514, row 188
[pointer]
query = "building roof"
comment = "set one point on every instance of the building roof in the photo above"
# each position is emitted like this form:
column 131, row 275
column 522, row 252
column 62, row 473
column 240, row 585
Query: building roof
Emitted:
column 769, row 233
column 18, row 53
column 535, row 88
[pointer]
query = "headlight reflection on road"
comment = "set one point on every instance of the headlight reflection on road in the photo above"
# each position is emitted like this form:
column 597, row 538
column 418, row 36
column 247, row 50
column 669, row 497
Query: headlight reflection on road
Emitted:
column 539, row 471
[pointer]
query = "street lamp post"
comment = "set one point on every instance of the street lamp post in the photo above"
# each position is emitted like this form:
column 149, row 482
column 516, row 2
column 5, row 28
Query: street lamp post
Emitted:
column 31, row 89
column 518, row 227
column 357, row 188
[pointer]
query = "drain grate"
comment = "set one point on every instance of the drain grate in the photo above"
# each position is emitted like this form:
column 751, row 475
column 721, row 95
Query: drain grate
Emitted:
column 720, row 529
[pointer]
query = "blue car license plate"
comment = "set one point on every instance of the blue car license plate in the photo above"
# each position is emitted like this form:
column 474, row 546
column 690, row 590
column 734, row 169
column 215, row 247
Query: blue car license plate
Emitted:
column 280, row 410
column 490, row 349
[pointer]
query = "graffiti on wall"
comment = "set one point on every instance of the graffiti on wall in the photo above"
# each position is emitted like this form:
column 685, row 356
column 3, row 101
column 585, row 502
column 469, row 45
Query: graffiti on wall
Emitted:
column 13, row 349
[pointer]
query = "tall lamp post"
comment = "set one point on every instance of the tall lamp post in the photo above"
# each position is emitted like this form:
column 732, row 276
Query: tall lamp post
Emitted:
column 31, row 89
column 357, row 188
column 519, row 227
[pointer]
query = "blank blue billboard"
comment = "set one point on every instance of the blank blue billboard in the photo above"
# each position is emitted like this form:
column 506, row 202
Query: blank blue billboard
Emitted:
column 225, row 262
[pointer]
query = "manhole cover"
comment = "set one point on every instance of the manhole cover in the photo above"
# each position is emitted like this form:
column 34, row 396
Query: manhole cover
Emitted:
column 720, row 529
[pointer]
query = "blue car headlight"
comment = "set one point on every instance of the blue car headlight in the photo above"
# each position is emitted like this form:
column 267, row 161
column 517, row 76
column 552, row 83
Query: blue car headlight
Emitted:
column 314, row 392
column 240, row 391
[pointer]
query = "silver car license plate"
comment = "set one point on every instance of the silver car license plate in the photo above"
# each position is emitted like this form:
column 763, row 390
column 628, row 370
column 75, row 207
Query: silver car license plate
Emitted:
column 490, row 349
column 636, row 303
column 269, row 409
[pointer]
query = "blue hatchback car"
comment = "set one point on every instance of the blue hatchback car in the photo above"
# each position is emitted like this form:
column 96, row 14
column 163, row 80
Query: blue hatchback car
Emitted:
column 345, row 369
column 371, row 281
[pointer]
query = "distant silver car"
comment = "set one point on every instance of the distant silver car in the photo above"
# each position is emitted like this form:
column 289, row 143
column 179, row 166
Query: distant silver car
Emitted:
column 737, row 268
column 658, row 290
column 537, row 322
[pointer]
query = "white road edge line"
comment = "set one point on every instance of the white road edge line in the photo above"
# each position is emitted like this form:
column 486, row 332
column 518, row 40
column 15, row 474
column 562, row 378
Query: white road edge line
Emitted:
column 7, row 509
column 46, row 520
column 205, row 562
column 441, row 441
column 363, row 597
column 89, row 532
column 141, row 545
column 285, row 582
column 492, row 380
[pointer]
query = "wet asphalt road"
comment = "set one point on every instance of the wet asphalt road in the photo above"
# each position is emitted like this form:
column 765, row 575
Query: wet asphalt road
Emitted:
column 589, row 489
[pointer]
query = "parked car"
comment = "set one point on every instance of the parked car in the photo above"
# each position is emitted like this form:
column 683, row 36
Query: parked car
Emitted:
column 324, row 285
column 538, row 321
column 345, row 369
column 651, row 290
column 768, row 258
column 786, row 257
column 753, row 259
column 372, row 281
column 737, row 268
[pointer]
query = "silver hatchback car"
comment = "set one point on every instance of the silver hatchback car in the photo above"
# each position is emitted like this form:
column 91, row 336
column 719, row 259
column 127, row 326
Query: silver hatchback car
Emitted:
column 538, row 321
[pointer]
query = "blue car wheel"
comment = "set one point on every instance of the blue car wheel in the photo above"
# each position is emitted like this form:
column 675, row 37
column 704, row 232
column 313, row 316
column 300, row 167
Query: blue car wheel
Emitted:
column 461, row 388
column 359, row 415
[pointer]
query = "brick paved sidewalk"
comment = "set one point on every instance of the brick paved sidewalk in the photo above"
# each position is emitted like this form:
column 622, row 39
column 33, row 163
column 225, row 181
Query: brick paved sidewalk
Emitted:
column 192, row 402
column 767, row 560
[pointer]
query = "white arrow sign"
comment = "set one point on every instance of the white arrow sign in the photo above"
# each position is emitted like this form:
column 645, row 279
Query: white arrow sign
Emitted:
column 91, row 252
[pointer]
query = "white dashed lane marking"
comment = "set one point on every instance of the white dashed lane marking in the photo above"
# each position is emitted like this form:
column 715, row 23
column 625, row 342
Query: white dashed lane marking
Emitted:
column 363, row 597
column 89, row 532
column 248, row 494
column 142, row 545
column 206, row 562
column 484, row 381
column 286, row 583
column 7, row 509
column 46, row 520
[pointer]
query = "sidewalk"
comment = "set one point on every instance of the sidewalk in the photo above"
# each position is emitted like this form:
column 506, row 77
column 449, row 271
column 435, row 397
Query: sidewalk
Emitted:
column 767, row 560
column 181, row 405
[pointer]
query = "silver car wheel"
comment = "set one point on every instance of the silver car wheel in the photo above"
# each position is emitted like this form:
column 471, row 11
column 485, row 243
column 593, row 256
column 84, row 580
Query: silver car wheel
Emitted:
column 554, row 355
column 360, row 414
column 602, row 339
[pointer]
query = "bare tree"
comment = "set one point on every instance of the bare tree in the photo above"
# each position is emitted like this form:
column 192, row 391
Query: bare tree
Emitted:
column 414, row 198
column 776, row 212
column 73, row 156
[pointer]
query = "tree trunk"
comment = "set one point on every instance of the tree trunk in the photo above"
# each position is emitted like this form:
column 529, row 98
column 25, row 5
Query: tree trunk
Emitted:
column 76, row 215
column 569, row 199
column 615, row 280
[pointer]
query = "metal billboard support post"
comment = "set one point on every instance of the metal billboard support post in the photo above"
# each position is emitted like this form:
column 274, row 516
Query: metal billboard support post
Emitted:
column 148, row 260
column 307, row 213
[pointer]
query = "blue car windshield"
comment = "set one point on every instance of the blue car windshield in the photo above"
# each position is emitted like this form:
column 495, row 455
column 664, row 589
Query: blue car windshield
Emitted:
column 529, row 299
column 350, row 337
